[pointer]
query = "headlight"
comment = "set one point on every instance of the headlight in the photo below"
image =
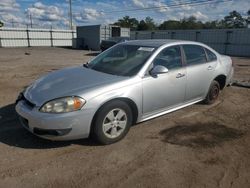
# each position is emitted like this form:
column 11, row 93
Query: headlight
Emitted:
column 62, row 105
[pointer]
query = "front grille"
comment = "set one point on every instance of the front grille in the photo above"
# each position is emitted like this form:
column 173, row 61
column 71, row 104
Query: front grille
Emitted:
column 45, row 132
column 51, row 132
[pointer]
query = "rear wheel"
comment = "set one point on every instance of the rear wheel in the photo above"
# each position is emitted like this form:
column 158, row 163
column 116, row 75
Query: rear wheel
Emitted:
column 112, row 122
column 213, row 93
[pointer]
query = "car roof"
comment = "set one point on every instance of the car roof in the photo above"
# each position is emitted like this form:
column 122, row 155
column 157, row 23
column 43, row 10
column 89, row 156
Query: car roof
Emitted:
column 158, row 42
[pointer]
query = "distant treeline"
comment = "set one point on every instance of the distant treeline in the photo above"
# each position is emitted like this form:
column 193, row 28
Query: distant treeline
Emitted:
column 233, row 20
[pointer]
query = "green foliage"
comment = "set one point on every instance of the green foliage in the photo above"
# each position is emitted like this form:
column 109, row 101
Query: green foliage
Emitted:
column 232, row 20
column 211, row 25
column 134, row 24
column 191, row 23
column 1, row 24
column 170, row 24
column 147, row 24
column 128, row 22
column 248, row 18
column 142, row 26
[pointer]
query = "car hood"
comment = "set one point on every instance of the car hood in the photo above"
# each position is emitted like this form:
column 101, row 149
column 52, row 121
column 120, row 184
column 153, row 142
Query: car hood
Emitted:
column 67, row 82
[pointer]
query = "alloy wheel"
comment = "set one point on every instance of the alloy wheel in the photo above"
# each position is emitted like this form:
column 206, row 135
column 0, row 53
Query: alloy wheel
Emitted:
column 114, row 123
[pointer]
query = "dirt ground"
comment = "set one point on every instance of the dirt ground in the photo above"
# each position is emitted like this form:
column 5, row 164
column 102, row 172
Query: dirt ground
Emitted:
column 199, row 146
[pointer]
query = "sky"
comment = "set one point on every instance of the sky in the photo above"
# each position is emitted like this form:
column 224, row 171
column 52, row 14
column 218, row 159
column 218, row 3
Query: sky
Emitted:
column 55, row 13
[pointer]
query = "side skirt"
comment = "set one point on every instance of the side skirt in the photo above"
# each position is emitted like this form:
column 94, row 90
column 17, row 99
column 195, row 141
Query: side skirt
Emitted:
column 168, row 111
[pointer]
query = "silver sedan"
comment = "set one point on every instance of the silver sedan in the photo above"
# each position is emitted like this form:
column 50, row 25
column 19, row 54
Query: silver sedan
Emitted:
column 128, row 83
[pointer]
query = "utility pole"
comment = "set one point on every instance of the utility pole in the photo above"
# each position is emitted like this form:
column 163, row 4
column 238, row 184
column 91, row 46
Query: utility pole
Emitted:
column 12, row 22
column 70, row 14
column 30, row 16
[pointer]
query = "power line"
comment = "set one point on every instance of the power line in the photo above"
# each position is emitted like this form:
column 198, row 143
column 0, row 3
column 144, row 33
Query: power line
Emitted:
column 171, row 5
column 180, row 5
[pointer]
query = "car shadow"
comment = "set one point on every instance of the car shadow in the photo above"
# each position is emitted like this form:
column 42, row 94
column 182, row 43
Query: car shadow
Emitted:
column 202, row 135
column 13, row 134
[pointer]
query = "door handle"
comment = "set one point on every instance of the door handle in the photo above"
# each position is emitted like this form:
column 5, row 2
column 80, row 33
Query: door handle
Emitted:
column 210, row 68
column 179, row 75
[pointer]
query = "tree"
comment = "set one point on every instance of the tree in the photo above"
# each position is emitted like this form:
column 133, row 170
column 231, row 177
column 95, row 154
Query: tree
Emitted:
column 147, row 24
column 128, row 22
column 234, row 20
column 191, row 23
column 1, row 24
column 248, row 18
column 170, row 24
column 142, row 26
column 151, row 25
column 211, row 25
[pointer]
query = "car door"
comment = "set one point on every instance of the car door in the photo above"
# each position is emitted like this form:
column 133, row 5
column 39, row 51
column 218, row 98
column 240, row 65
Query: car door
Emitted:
column 199, row 72
column 166, row 90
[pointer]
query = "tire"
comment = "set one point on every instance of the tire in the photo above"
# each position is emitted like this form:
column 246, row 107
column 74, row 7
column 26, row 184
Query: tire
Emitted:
column 112, row 122
column 213, row 93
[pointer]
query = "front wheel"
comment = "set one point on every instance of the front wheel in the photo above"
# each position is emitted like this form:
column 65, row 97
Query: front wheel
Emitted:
column 112, row 122
column 213, row 93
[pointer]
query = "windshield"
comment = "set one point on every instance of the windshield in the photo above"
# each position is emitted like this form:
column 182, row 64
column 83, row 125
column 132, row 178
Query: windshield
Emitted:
column 122, row 60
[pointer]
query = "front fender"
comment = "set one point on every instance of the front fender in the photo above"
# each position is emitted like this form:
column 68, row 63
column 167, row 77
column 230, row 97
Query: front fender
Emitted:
column 131, row 92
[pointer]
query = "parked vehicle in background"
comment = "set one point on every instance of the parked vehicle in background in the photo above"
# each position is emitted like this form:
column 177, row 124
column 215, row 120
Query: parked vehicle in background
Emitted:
column 105, row 44
column 131, row 82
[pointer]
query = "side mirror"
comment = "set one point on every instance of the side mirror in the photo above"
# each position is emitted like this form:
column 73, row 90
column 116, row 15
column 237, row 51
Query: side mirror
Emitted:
column 158, row 69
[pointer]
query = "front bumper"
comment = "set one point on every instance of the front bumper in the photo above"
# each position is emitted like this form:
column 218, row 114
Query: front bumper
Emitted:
column 65, row 126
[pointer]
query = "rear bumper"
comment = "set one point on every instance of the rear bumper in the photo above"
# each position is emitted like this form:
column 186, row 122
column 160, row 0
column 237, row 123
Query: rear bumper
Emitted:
column 229, row 80
column 65, row 126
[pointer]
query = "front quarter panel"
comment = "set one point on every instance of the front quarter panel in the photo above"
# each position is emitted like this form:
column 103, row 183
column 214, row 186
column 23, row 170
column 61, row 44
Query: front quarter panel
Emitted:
column 131, row 90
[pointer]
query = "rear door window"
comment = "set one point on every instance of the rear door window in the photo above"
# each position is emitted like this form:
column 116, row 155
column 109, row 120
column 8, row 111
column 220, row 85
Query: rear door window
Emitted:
column 194, row 54
column 210, row 55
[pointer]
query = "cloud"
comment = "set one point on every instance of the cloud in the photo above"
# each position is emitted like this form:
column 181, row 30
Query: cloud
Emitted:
column 139, row 3
column 200, row 16
column 8, row 5
column 110, row 5
column 11, row 18
column 216, row 10
column 44, row 12
column 162, row 6
column 89, row 14
column 10, row 13
column 98, row 12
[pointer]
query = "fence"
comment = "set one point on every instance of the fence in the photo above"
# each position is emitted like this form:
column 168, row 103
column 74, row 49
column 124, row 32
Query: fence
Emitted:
column 235, row 42
column 21, row 37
